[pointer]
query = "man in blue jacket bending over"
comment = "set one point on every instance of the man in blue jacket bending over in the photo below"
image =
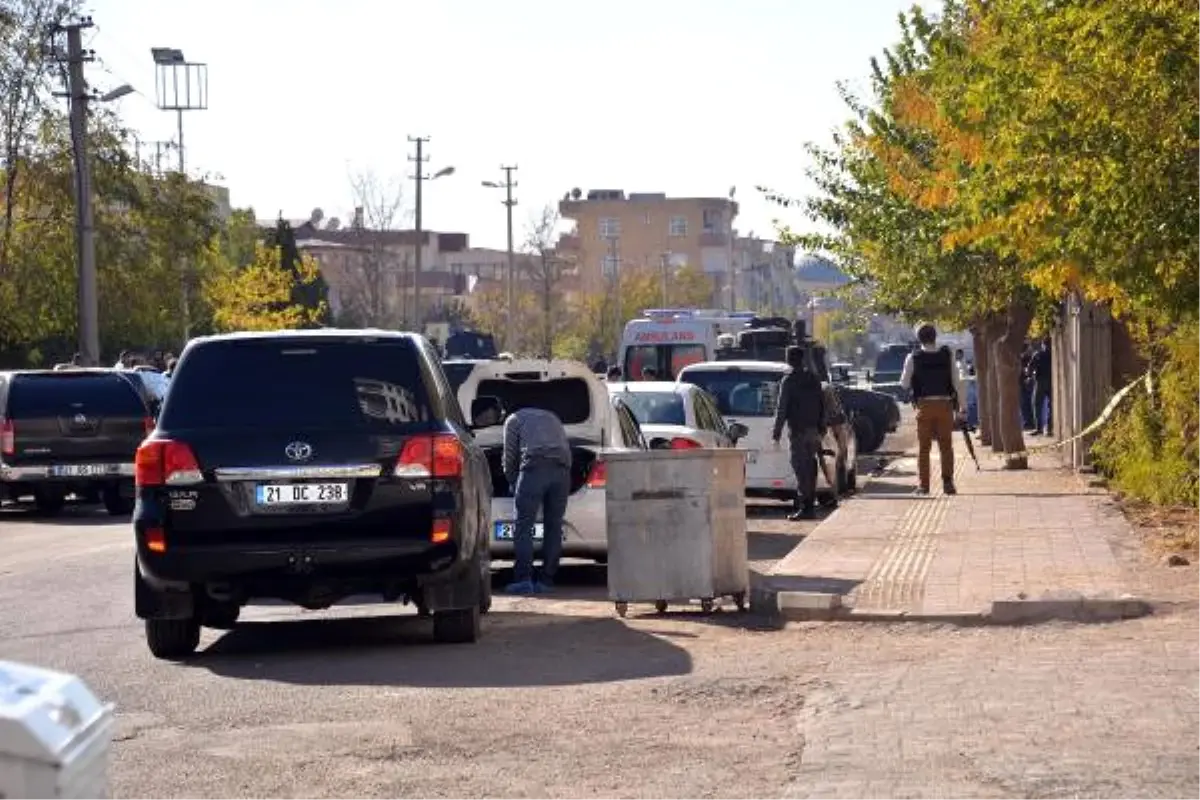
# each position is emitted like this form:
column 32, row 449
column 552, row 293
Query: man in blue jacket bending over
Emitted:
column 537, row 464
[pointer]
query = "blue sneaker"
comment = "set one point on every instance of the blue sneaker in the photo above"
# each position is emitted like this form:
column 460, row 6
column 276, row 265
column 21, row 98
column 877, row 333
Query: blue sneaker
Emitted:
column 521, row 587
column 544, row 586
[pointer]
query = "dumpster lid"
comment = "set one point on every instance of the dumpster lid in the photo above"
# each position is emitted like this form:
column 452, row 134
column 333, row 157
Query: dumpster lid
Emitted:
column 43, row 712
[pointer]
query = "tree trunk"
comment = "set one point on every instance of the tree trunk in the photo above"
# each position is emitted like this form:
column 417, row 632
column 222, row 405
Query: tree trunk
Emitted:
column 547, row 326
column 992, row 330
column 1007, row 353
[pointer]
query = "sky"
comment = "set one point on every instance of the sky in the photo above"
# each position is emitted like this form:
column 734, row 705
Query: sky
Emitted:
column 687, row 98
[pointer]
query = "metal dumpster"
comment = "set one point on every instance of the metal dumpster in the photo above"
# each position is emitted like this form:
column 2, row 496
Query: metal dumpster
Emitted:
column 54, row 735
column 676, row 527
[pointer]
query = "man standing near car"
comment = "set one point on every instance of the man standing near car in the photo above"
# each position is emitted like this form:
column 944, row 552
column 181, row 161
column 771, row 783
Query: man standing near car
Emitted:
column 802, row 406
column 537, row 464
column 939, row 398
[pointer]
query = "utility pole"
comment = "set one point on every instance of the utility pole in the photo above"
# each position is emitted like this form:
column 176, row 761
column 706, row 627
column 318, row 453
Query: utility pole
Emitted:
column 616, row 279
column 88, row 304
column 665, row 257
column 509, row 202
column 419, row 176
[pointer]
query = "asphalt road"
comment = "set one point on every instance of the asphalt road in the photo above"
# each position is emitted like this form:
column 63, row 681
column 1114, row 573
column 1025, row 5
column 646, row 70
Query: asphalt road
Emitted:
column 561, row 697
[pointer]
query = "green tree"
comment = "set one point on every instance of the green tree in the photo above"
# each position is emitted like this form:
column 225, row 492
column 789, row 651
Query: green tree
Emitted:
column 259, row 296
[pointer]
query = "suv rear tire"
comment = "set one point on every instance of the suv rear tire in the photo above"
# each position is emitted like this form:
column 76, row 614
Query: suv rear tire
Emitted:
column 117, row 505
column 172, row 639
column 460, row 626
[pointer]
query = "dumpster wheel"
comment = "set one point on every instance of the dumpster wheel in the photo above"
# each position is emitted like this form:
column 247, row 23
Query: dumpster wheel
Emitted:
column 660, row 606
column 706, row 605
column 622, row 608
column 739, row 600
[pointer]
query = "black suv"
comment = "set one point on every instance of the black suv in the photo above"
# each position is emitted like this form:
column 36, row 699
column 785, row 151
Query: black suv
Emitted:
column 71, row 432
column 310, row 466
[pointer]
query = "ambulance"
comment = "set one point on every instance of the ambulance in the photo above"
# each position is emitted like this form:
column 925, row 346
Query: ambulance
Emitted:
column 668, row 339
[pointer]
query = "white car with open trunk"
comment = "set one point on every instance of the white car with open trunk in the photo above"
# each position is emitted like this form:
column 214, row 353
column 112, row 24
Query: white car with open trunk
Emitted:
column 595, row 424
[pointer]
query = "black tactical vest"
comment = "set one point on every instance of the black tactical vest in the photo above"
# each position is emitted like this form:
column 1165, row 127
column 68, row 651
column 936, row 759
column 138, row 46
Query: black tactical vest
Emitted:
column 932, row 376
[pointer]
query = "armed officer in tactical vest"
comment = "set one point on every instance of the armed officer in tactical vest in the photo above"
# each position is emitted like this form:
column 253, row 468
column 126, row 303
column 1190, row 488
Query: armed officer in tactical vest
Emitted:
column 937, row 394
column 802, row 406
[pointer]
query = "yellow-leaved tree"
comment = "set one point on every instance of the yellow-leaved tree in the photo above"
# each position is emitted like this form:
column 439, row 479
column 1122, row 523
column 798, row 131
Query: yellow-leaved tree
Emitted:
column 261, row 295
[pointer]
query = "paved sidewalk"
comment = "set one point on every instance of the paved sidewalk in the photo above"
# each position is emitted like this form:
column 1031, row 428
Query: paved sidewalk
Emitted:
column 1010, row 547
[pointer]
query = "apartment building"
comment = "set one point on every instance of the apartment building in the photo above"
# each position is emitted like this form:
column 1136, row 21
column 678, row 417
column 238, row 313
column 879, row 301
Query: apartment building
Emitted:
column 613, row 230
column 766, row 276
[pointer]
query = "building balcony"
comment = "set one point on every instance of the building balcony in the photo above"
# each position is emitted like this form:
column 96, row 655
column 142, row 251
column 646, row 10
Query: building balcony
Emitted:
column 713, row 239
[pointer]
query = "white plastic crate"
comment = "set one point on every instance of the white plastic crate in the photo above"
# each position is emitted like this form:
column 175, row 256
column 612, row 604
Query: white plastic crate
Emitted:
column 54, row 735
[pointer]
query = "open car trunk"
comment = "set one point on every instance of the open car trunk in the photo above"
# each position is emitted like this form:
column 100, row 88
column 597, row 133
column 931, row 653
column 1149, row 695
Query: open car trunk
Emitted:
column 583, row 456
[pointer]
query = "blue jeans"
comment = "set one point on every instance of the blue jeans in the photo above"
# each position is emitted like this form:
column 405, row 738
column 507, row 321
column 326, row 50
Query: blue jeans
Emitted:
column 540, row 487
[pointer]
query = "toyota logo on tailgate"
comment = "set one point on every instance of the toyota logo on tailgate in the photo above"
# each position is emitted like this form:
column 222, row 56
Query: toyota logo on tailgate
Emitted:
column 298, row 451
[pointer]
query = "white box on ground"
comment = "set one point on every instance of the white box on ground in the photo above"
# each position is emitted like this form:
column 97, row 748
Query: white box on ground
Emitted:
column 676, row 525
column 54, row 735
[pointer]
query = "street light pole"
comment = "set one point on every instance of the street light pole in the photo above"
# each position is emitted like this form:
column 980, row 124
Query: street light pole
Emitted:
column 511, row 313
column 179, row 86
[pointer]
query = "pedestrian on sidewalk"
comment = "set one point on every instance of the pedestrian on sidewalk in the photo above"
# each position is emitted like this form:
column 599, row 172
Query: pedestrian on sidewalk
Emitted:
column 537, row 464
column 938, row 396
column 802, row 406
column 1039, row 375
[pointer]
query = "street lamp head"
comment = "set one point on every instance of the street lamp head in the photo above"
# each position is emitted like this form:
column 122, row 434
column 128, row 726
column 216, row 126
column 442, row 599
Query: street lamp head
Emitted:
column 167, row 55
column 117, row 93
column 442, row 173
column 492, row 185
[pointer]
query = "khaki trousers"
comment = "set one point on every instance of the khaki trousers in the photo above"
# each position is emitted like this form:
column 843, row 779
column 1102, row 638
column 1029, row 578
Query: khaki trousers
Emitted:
column 935, row 422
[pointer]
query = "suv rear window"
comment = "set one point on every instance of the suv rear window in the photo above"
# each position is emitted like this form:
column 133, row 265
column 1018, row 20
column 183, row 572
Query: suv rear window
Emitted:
column 66, row 393
column 569, row 398
column 298, row 383
column 739, row 393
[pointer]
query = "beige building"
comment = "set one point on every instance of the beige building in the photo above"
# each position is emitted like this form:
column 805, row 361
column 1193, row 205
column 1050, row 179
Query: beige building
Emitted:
column 648, row 231
column 767, row 280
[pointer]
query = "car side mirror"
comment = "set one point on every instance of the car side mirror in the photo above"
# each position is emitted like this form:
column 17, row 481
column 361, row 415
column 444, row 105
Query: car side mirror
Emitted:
column 738, row 430
column 486, row 411
column 659, row 443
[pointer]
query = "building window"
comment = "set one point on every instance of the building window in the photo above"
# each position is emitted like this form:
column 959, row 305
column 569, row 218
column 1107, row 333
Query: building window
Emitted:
column 609, row 266
column 678, row 226
column 610, row 227
column 712, row 220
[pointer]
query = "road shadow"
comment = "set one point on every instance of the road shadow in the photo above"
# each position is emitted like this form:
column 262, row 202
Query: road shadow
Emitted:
column 518, row 649
column 575, row 580
column 884, row 488
column 72, row 514
column 768, row 546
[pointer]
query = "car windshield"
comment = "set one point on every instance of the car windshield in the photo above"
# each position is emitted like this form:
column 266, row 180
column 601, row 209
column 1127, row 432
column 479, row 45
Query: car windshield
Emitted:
column 741, row 393
column 656, row 408
column 296, row 384
column 891, row 363
column 66, row 393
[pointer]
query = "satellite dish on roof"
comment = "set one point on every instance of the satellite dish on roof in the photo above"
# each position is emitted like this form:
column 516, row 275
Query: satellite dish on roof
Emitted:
column 316, row 216
column 333, row 224
column 576, row 193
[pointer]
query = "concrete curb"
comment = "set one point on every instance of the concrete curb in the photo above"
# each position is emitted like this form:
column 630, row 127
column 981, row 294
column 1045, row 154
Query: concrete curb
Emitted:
column 797, row 606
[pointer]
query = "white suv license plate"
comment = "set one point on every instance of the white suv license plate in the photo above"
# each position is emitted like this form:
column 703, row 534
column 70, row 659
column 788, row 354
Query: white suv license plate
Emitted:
column 506, row 530
column 301, row 494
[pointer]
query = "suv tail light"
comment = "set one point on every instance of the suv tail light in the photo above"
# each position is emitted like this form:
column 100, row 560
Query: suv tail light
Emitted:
column 598, row 476
column 162, row 462
column 438, row 456
column 8, row 438
column 684, row 443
